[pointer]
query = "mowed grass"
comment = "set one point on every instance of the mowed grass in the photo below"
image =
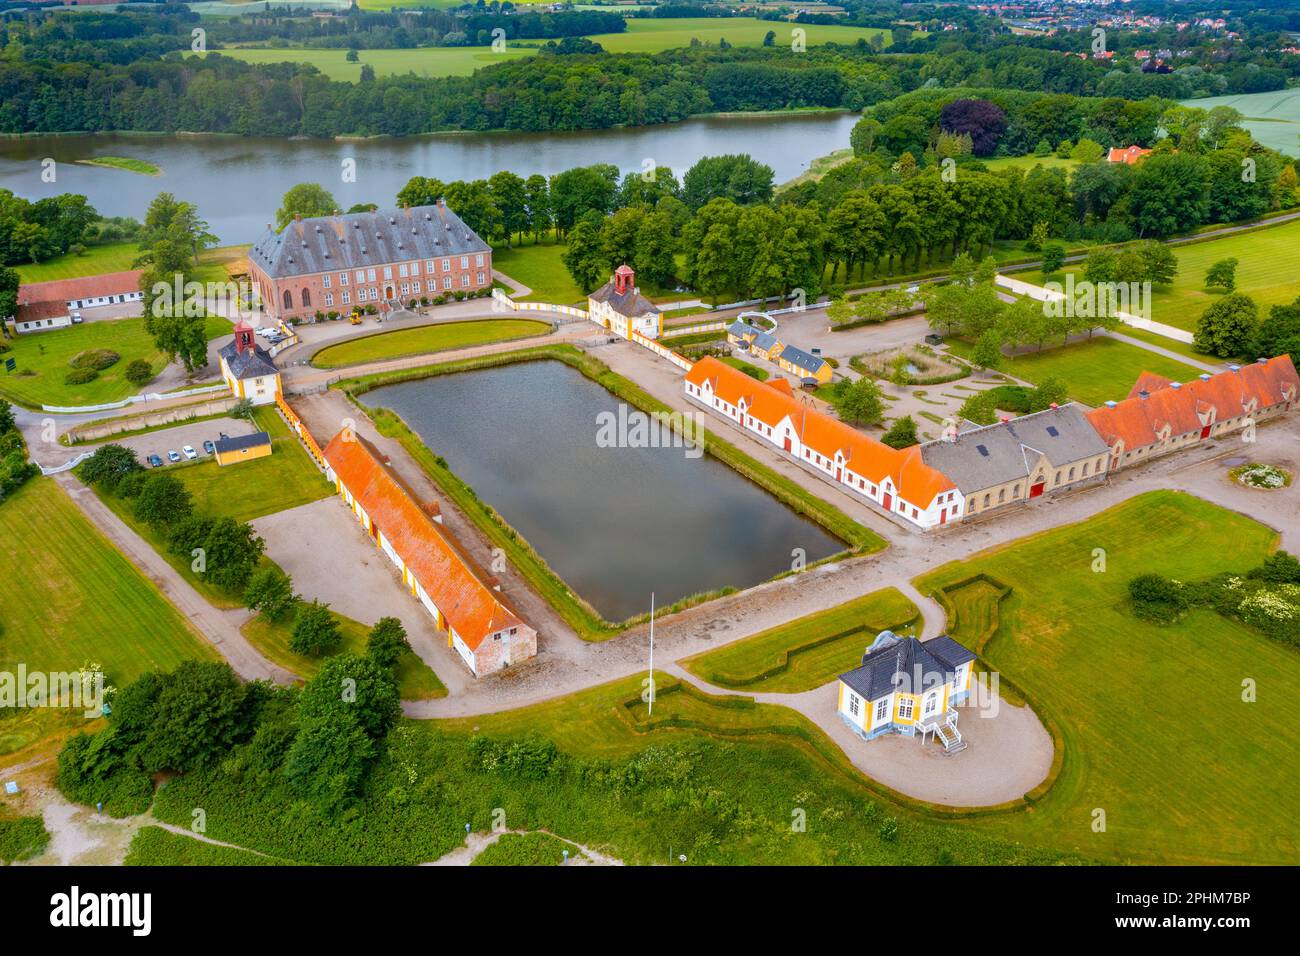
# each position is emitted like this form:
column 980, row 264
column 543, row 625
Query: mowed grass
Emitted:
column 97, row 260
column 656, row 35
column 1156, row 733
column 426, row 339
column 1268, row 270
column 540, row 266
column 1029, row 162
column 415, row 678
column 46, row 355
column 1094, row 370
column 806, row 653
column 74, row 599
column 426, row 61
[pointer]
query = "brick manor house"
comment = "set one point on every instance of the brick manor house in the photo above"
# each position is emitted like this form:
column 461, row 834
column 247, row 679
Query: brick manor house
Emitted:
column 380, row 258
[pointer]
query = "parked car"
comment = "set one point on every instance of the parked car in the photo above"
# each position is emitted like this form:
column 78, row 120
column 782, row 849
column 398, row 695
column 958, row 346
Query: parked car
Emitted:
column 154, row 461
column 172, row 456
column 190, row 453
column 208, row 447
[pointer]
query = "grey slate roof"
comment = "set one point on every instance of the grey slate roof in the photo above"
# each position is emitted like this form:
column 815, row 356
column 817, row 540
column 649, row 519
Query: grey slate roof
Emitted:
column 801, row 359
column 242, row 441
column 981, row 457
column 252, row 364
column 907, row 665
column 631, row 303
column 364, row 239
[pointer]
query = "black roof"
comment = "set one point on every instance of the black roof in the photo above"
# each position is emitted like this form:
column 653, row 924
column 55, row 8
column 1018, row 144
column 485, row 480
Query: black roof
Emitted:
column 243, row 441
column 252, row 363
column 905, row 664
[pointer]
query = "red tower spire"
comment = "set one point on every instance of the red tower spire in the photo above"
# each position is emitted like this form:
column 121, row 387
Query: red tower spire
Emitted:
column 243, row 338
column 623, row 279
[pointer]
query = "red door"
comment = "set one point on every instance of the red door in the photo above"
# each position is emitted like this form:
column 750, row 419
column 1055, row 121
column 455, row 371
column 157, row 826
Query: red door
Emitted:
column 1036, row 490
column 943, row 515
column 787, row 443
column 1205, row 432
column 889, row 501
column 837, row 474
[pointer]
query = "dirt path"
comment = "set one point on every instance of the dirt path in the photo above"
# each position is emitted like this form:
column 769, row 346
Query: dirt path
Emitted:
column 220, row 628
column 476, row 843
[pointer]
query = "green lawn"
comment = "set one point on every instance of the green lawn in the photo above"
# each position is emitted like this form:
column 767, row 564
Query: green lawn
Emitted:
column 43, row 359
column 1029, row 162
column 751, row 370
column 109, row 257
column 1094, row 370
column 806, row 653
column 75, row 599
column 415, row 678
column 1155, row 730
column 428, row 61
column 656, row 35
column 1268, row 270
column 540, row 267
column 426, row 339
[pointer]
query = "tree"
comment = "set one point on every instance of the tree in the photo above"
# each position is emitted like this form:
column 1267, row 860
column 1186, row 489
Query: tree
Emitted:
column 270, row 593
column 1169, row 194
column 988, row 350
column 982, row 120
column 421, row 191
column 1228, row 327
column 139, row 372
column 109, row 465
column 359, row 685
column 1051, row 391
column 1053, row 257
column 861, row 402
column 576, row 192
column 1086, row 151
column 8, row 292
column 7, row 420
column 584, row 255
column 181, row 336
column 163, row 499
column 537, row 199
column 510, row 195
column 1279, row 334
column 1100, row 265
column 306, row 200
column 1222, row 275
column 242, row 409
column 740, row 178
column 352, row 56
column 315, row 630
column 329, row 757
column 863, row 136
column 229, row 550
column 1159, row 264
column 199, row 714
column 387, row 642
column 902, row 434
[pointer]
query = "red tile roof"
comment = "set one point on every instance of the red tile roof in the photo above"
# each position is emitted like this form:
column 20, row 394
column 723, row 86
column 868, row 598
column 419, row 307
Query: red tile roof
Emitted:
column 914, row 480
column 1139, row 421
column 86, row 287
column 471, row 607
column 1129, row 155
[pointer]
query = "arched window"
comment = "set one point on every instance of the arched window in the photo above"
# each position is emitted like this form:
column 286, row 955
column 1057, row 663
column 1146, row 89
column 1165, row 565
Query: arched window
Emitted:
column 306, row 298
column 288, row 299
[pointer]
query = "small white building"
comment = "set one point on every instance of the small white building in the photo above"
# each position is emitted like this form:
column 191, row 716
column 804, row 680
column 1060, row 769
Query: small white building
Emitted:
column 57, row 304
column 904, row 686
column 619, row 306
column 247, row 368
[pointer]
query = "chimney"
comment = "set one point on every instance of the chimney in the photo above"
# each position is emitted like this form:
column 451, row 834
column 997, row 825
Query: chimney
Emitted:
column 1261, row 361
column 1205, row 376
column 1054, row 405
column 1144, row 394
column 1005, row 419
column 1110, row 404
column 1175, row 385
column 1234, row 368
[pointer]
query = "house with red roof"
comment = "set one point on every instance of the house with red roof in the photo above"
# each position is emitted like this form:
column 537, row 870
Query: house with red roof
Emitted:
column 1128, row 155
column 58, row 303
column 464, row 602
column 897, row 481
column 1161, row 415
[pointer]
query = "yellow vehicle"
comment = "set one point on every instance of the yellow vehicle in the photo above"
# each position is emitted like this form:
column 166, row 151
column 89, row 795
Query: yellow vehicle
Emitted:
column 355, row 318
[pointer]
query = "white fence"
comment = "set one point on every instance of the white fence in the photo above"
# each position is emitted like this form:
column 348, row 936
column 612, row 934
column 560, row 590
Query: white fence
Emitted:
column 694, row 329
column 1042, row 294
column 134, row 400
column 66, row 466
column 514, row 306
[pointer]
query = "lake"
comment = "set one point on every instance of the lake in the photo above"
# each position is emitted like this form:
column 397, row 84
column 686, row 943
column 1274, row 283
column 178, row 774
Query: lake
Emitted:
column 238, row 182
column 614, row 523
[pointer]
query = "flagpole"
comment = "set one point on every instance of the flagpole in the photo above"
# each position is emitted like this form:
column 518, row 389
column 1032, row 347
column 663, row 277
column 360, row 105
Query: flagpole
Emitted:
column 652, row 654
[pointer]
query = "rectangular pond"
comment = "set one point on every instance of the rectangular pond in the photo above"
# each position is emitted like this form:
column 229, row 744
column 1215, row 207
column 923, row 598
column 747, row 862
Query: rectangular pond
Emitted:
column 614, row 523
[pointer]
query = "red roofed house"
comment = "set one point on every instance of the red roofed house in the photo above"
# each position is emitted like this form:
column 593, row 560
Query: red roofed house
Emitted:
column 56, row 304
column 480, row 627
column 1128, row 155
column 1161, row 415
column 895, row 480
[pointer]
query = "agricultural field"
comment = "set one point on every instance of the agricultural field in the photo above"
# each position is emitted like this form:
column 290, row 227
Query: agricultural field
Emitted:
column 43, row 361
column 426, row 339
column 415, row 678
column 1268, row 270
column 428, row 61
column 1094, row 370
column 1273, row 118
column 806, row 653
column 657, row 35
column 81, row 602
column 1152, row 718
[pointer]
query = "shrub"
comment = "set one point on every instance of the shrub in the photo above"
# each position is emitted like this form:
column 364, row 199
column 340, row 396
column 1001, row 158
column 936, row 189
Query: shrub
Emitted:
column 80, row 376
column 1157, row 598
column 98, row 359
column 139, row 372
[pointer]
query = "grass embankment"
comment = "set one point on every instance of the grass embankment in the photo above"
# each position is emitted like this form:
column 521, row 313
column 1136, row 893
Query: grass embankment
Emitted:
column 1153, row 724
column 76, row 600
column 416, row 679
column 44, row 362
column 713, row 778
column 426, row 339
column 575, row 611
column 1093, row 370
column 285, row 479
column 126, row 163
column 806, row 653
